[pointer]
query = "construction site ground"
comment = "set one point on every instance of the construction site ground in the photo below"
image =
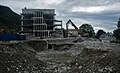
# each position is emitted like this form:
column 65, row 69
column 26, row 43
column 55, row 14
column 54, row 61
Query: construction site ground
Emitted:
column 70, row 55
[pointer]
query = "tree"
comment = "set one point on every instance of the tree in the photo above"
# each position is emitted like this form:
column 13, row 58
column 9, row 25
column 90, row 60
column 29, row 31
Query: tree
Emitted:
column 118, row 25
column 117, row 31
column 99, row 33
column 86, row 30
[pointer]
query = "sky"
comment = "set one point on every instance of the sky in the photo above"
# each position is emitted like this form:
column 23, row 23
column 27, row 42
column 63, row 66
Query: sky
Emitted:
column 101, row 14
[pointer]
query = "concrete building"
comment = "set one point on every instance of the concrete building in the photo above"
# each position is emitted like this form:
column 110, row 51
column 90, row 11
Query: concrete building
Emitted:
column 39, row 22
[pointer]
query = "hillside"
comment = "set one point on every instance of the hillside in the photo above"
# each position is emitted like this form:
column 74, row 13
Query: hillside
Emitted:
column 9, row 20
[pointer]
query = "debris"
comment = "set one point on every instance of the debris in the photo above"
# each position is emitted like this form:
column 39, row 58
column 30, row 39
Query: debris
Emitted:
column 81, row 57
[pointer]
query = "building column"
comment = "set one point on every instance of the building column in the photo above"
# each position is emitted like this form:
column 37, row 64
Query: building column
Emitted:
column 61, row 29
column 22, row 22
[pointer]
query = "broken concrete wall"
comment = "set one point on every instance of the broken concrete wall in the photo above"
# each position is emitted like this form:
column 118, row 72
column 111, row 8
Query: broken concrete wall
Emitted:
column 61, row 46
column 38, row 45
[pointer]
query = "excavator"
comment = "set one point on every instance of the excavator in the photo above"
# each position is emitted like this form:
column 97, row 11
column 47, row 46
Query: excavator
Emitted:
column 70, row 22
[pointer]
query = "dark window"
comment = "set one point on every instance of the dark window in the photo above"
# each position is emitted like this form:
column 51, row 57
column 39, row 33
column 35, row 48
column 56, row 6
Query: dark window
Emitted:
column 49, row 46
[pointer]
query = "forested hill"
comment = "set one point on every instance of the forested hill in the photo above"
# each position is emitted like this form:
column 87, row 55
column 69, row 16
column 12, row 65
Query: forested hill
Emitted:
column 9, row 20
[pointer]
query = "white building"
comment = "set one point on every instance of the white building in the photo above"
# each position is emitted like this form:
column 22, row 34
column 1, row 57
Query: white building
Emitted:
column 107, row 37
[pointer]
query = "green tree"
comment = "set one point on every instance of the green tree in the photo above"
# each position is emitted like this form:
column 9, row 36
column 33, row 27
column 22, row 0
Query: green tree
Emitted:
column 117, row 31
column 117, row 34
column 118, row 25
column 87, row 30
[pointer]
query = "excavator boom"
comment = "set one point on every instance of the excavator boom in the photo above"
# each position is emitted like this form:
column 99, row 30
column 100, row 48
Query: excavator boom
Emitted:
column 70, row 22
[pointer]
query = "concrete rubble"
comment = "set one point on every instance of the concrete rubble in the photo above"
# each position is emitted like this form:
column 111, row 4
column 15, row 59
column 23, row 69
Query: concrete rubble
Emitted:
column 96, row 45
column 83, row 56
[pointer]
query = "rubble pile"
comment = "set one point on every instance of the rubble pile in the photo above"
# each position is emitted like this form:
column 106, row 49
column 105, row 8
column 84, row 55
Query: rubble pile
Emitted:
column 96, row 45
column 85, row 57
column 19, row 58
column 95, row 61
column 74, row 57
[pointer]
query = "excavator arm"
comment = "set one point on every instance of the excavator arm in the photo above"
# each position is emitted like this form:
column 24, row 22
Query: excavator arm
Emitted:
column 70, row 22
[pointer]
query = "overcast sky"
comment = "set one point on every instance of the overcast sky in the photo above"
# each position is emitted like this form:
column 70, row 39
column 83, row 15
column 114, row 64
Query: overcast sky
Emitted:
column 101, row 14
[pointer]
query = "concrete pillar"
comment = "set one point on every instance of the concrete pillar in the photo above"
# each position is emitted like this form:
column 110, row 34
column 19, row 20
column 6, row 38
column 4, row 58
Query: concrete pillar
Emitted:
column 61, row 29
column 22, row 22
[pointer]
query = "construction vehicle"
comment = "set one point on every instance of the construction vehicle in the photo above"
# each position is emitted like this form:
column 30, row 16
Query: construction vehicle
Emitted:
column 67, row 30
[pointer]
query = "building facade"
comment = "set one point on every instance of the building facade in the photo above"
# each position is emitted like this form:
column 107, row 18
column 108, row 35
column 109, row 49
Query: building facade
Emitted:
column 38, row 22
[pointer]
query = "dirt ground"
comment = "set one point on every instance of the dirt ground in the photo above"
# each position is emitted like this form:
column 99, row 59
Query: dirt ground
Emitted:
column 19, row 58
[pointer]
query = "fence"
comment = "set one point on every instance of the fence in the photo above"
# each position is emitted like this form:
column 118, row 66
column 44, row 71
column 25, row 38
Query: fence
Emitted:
column 9, row 37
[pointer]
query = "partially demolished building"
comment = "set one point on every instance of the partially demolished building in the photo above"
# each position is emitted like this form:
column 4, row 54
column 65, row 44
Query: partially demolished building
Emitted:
column 39, row 22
